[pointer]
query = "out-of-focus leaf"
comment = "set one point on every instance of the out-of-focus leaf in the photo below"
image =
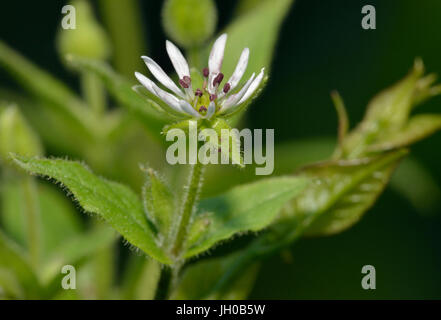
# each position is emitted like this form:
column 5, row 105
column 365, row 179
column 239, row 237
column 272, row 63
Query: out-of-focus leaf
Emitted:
column 47, row 119
column 415, row 183
column 16, row 135
column 341, row 191
column 47, row 88
column 10, row 287
column 58, row 219
column 245, row 208
column 76, row 249
column 12, row 258
column 122, row 91
column 116, row 203
column 245, row 6
column 247, row 30
column 159, row 202
column 418, row 128
column 148, row 281
column 140, row 279
column 386, row 124
column 104, row 271
column 205, row 279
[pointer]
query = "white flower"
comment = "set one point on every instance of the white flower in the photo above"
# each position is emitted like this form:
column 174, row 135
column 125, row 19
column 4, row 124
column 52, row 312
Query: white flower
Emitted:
column 211, row 99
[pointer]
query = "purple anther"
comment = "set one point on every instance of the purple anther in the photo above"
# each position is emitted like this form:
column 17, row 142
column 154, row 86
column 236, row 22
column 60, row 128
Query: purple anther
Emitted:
column 227, row 87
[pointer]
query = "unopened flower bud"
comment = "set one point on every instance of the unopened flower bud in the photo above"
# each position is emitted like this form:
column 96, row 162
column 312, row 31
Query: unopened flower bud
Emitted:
column 88, row 39
column 189, row 22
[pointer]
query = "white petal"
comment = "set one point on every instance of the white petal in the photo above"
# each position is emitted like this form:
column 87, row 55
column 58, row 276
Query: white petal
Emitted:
column 233, row 99
column 253, row 86
column 211, row 109
column 178, row 60
column 168, row 98
column 146, row 82
column 217, row 54
column 215, row 60
column 162, row 77
column 239, row 71
column 186, row 107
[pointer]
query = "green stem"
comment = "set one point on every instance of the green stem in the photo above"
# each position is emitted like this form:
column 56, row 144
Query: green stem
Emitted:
column 164, row 284
column 32, row 213
column 94, row 93
column 124, row 23
column 195, row 57
column 168, row 281
column 188, row 208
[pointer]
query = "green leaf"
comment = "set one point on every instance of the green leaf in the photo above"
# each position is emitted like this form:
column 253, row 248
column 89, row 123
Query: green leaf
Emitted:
column 343, row 121
column 249, row 207
column 418, row 128
column 340, row 192
column 386, row 124
column 147, row 282
column 10, row 287
column 13, row 259
column 58, row 219
column 244, row 6
column 115, row 202
column 206, row 279
column 47, row 88
column 248, row 31
column 75, row 249
column 46, row 118
column 290, row 156
column 424, row 193
column 122, row 91
column 16, row 135
column 158, row 202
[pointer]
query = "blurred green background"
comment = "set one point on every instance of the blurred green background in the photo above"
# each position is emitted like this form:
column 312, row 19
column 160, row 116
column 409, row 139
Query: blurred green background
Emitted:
column 321, row 47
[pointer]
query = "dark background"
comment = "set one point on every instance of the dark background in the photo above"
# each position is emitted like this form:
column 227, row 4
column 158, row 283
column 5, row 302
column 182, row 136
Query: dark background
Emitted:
column 321, row 47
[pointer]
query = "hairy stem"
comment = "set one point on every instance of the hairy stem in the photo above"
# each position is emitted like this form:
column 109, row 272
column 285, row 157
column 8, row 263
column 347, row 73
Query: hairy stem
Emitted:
column 188, row 208
column 32, row 218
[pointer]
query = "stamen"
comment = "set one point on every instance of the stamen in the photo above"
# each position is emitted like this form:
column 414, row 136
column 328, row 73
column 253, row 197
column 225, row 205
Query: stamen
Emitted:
column 202, row 108
column 218, row 79
column 183, row 84
column 205, row 72
column 212, row 97
column 227, row 87
column 198, row 92
column 187, row 80
column 195, row 103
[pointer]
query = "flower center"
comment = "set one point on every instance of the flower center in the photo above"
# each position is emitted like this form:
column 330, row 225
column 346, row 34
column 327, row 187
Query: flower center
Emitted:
column 202, row 102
